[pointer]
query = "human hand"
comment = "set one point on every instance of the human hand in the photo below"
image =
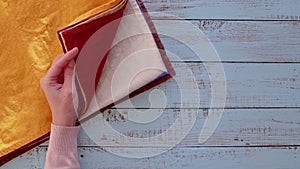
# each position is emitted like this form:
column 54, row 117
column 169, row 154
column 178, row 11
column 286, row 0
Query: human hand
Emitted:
column 57, row 86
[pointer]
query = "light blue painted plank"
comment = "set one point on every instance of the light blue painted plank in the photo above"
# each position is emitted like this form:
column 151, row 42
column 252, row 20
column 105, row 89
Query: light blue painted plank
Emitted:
column 248, row 85
column 238, row 127
column 241, row 41
column 186, row 158
column 226, row 9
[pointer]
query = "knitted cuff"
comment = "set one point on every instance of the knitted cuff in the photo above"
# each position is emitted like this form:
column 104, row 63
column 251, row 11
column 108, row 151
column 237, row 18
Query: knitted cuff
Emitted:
column 63, row 138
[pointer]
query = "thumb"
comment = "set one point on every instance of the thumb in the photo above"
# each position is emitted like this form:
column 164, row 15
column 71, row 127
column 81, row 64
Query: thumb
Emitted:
column 68, row 74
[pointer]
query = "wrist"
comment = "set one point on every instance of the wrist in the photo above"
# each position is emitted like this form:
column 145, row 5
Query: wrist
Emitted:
column 64, row 122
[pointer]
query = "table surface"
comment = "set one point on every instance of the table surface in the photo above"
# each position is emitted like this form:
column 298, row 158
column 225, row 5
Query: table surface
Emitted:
column 258, row 42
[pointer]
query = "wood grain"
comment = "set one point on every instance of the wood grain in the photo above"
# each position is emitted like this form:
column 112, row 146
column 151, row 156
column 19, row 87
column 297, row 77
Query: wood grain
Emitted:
column 234, row 41
column 238, row 127
column 225, row 9
column 187, row 158
column 258, row 44
column 251, row 85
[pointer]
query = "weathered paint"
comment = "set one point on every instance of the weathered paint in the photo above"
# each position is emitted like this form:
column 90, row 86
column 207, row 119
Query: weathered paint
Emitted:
column 226, row 9
column 238, row 41
column 180, row 157
column 258, row 42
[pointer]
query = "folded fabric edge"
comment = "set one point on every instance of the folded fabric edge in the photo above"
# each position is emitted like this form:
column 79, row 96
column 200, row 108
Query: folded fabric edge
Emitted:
column 160, row 79
column 60, row 32
column 159, row 44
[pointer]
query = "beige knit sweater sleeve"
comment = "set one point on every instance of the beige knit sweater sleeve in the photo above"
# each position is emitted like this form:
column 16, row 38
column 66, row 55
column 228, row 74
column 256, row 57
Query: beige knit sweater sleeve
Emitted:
column 62, row 150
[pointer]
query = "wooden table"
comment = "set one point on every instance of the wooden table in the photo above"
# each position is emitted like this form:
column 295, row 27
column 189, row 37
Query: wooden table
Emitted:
column 258, row 42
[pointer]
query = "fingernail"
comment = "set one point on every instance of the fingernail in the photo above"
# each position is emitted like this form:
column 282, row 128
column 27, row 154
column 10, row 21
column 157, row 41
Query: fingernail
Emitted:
column 75, row 49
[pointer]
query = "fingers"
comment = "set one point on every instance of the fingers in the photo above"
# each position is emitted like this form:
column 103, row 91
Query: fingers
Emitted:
column 61, row 62
column 68, row 74
column 57, row 58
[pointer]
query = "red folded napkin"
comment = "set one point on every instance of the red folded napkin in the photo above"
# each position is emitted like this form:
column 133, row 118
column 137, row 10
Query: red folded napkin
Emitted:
column 111, row 42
